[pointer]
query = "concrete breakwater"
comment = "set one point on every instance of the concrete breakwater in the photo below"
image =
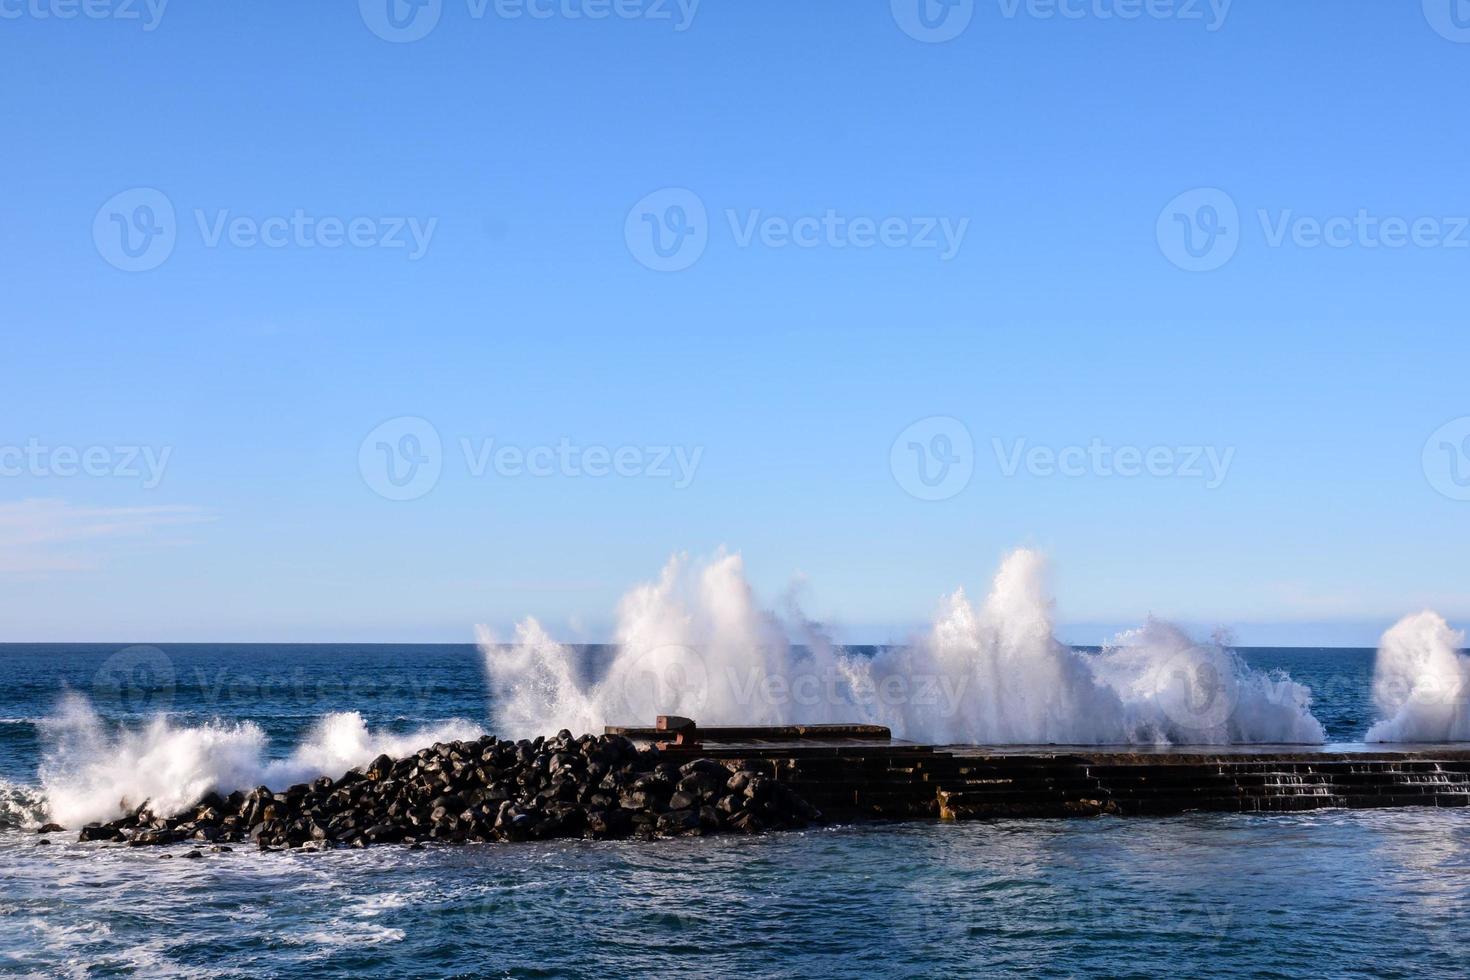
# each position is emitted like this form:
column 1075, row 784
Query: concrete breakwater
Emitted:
column 677, row 779
column 855, row 772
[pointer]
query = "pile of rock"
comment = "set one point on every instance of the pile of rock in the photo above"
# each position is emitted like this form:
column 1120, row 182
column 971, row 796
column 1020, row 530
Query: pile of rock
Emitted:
column 486, row 790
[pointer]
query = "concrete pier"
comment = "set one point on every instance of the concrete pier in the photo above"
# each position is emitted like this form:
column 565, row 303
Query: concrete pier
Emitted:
column 861, row 771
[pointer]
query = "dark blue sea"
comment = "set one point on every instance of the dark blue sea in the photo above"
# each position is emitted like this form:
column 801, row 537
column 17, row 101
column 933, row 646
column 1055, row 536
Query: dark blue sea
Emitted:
column 1336, row 893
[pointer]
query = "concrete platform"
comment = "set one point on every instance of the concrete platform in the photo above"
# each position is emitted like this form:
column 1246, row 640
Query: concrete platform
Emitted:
column 861, row 771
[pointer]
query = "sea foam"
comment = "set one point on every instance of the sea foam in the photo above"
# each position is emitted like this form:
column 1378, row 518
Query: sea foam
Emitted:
column 95, row 771
column 21, row 806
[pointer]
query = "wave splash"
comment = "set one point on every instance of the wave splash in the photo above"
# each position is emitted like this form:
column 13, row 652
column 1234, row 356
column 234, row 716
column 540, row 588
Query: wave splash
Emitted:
column 697, row 643
column 93, row 771
column 21, row 807
column 1420, row 680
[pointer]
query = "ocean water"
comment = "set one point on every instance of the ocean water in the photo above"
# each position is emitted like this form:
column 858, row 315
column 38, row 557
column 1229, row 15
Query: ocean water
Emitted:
column 1328, row 893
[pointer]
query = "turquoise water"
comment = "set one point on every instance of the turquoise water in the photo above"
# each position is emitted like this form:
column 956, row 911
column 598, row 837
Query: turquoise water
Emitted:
column 1328, row 893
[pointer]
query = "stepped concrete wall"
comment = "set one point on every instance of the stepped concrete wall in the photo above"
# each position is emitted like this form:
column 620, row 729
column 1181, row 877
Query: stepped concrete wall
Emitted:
column 856, row 772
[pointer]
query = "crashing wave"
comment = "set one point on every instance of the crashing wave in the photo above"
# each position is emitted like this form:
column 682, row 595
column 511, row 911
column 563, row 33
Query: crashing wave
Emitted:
column 1420, row 683
column 696, row 643
column 94, row 771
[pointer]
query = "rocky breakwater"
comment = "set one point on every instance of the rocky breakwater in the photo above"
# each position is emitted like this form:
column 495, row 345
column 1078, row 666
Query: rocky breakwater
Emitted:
column 599, row 787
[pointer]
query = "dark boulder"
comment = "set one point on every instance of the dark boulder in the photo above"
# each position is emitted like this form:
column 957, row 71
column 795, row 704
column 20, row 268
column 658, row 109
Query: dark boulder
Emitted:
column 677, row 822
column 746, row 822
column 383, row 833
column 708, row 767
column 704, row 785
column 760, row 788
column 603, row 788
column 454, row 803
column 612, row 824
column 93, row 832
column 639, row 800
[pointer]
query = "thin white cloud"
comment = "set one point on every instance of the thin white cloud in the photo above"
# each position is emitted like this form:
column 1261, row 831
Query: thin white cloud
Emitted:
column 44, row 535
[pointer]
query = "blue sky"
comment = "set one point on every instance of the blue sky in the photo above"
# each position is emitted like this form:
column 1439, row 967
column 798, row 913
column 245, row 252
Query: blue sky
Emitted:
column 815, row 152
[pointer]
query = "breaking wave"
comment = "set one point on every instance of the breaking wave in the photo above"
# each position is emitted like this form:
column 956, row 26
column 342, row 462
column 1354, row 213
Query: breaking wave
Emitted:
column 1420, row 683
column 21, row 807
column 95, row 771
column 697, row 643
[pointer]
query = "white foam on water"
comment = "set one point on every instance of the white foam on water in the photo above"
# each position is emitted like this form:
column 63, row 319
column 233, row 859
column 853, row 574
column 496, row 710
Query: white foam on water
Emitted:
column 21, row 806
column 1420, row 682
column 343, row 934
column 697, row 643
column 95, row 771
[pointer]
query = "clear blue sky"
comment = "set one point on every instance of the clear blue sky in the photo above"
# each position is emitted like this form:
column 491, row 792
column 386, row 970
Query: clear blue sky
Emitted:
column 1063, row 317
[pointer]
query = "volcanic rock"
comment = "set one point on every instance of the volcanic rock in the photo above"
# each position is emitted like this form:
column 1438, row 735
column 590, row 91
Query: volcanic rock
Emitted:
column 600, row 788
